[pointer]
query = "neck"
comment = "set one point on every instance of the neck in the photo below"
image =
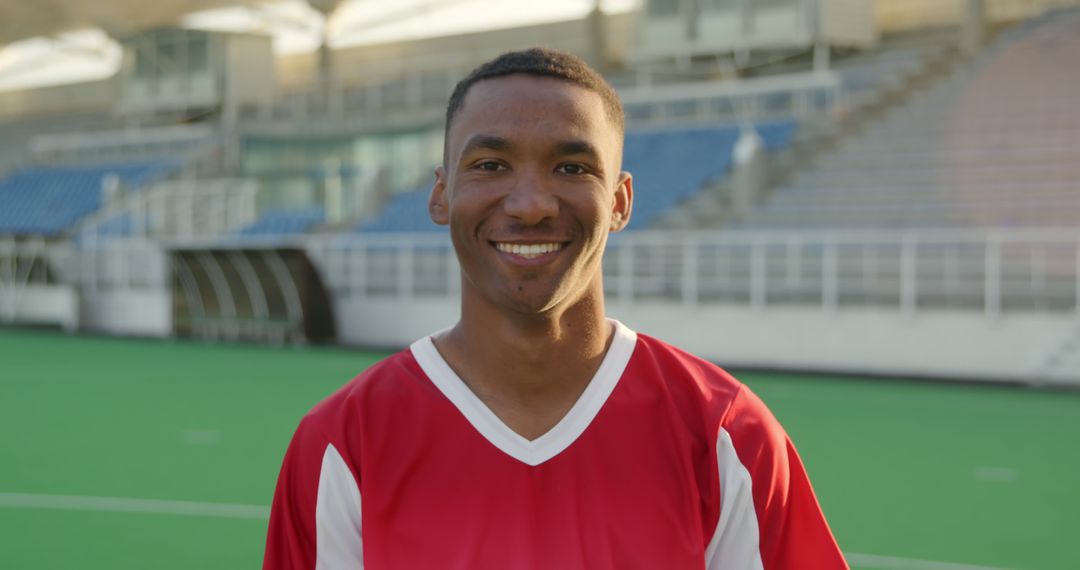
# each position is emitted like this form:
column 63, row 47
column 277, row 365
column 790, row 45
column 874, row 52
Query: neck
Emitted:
column 534, row 344
column 539, row 342
column 528, row 368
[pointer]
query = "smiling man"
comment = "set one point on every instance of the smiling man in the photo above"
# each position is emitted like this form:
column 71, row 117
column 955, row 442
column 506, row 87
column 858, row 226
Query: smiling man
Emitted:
column 537, row 432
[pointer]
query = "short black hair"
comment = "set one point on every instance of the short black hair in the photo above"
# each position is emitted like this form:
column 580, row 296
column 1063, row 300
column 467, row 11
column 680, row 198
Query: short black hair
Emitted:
column 540, row 62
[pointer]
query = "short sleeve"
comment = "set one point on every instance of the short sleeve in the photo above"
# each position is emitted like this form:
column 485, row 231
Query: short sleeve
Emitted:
column 315, row 516
column 770, row 518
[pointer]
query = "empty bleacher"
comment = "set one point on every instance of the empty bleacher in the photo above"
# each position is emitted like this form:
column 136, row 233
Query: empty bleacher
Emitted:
column 50, row 200
column 994, row 145
column 404, row 212
column 670, row 166
column 284, row 221
column 893, row 62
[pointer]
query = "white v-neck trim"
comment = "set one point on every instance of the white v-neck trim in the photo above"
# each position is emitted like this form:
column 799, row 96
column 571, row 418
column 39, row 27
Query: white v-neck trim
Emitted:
column 555, row 440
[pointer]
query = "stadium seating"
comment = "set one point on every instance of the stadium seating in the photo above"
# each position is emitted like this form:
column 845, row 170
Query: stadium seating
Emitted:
column 405, row 212
column 282, row 222
column 669, row 166
column 871, row 72
column 996, row 144
column 50, row 200
column 120, row 225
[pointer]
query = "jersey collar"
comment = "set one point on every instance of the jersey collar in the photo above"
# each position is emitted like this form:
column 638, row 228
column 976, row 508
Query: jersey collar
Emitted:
column 558, row 438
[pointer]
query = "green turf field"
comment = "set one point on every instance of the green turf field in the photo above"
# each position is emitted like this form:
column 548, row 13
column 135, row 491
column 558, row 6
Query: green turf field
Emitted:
column 184, row 441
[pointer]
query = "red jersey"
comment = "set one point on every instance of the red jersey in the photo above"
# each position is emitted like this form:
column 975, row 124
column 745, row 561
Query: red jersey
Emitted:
column 665, row 461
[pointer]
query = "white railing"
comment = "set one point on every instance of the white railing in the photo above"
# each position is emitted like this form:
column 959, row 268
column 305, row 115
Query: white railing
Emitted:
column 174, row 139
column 789, row 95
column 117, row 264
column 993, row 272
column 425, row 96
column 120, row 263
column 188, row 209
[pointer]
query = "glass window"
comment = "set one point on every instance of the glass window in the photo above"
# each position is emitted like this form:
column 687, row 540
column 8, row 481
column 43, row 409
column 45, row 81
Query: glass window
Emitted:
column 198, row 52
column 722, row 5
column 663, row 8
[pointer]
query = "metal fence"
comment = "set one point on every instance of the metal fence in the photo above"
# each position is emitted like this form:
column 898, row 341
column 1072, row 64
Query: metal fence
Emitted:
column 992, row 272
column 793, row 95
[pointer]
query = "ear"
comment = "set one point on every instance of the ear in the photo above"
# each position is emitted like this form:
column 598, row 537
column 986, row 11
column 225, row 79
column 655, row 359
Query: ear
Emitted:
column 438, row 206
column 623, row 202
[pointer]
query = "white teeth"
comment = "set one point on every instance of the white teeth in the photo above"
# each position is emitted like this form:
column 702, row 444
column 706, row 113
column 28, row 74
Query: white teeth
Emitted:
column 528, row 251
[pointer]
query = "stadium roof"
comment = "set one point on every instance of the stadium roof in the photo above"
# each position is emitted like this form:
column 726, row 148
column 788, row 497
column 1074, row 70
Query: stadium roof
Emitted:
column 49, row 42
column 22, row 19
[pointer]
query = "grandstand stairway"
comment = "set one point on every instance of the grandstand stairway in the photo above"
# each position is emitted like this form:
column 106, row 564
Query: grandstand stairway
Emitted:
column 874, row 83
column 995, row 144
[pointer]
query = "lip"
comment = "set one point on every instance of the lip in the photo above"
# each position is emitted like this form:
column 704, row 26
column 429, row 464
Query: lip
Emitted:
column 533, row 260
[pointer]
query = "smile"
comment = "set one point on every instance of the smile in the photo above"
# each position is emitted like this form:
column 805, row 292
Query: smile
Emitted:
column 528, row 251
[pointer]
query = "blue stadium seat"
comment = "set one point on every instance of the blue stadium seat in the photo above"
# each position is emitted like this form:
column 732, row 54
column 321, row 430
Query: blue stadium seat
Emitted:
column 50, row 200
column 406, row 212
column 669, row 166
column 120, row 225
column 284, row 221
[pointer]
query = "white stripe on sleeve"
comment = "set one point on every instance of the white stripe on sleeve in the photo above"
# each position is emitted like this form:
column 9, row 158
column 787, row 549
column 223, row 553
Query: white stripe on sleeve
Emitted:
column 734, row 544
column 338, row 544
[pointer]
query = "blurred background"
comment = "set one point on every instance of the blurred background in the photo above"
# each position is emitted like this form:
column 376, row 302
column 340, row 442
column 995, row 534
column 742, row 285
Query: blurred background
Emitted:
column 213, row 213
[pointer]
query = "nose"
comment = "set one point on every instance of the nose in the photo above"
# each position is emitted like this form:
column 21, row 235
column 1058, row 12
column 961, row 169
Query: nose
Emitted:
column 531, row 200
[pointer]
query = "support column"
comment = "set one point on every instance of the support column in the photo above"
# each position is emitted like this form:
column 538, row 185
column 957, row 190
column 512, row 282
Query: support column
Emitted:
column 974, row 32
column 332, row 191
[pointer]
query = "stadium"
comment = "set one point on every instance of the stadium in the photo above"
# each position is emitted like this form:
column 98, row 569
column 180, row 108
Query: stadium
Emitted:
column 213, row 213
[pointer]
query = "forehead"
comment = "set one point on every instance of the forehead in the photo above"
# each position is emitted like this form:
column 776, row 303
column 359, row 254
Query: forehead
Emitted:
column 522, row 106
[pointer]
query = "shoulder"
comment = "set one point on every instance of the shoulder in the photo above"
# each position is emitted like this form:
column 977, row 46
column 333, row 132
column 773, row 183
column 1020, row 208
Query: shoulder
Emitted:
column 685, row 374
column 377, row 388
column 706, row 390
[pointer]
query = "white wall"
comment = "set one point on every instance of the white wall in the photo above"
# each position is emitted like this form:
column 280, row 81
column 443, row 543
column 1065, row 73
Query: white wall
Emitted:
column 941, row 343
column 391, row 323
column 948, row 344
column 46, row 305
column 137, row 312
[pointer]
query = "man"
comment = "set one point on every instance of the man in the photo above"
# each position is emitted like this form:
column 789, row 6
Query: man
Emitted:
column 537, row 433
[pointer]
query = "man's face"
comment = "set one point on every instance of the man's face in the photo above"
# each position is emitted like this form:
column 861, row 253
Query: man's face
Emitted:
column 530, row 188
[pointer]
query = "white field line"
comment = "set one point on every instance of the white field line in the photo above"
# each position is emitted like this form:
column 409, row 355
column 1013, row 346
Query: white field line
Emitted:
column 892, row 563
column 258, row 512
column 996, row 474
column 125, row 505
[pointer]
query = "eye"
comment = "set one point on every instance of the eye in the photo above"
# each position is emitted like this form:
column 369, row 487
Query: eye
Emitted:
column 489, row 165
column 572, row 168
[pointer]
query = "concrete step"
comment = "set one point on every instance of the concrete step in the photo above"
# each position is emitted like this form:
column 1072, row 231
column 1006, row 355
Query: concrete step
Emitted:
column 871, row 159
column 897, row 219
column 967, row 143
column 1010, row 204
column 1063, row 173
column 957, row 120
column 793, row 196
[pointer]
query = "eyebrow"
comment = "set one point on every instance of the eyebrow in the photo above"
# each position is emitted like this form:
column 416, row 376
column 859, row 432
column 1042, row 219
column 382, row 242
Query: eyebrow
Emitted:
column 579, row 147
column 499, row 144
column 486, row 142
